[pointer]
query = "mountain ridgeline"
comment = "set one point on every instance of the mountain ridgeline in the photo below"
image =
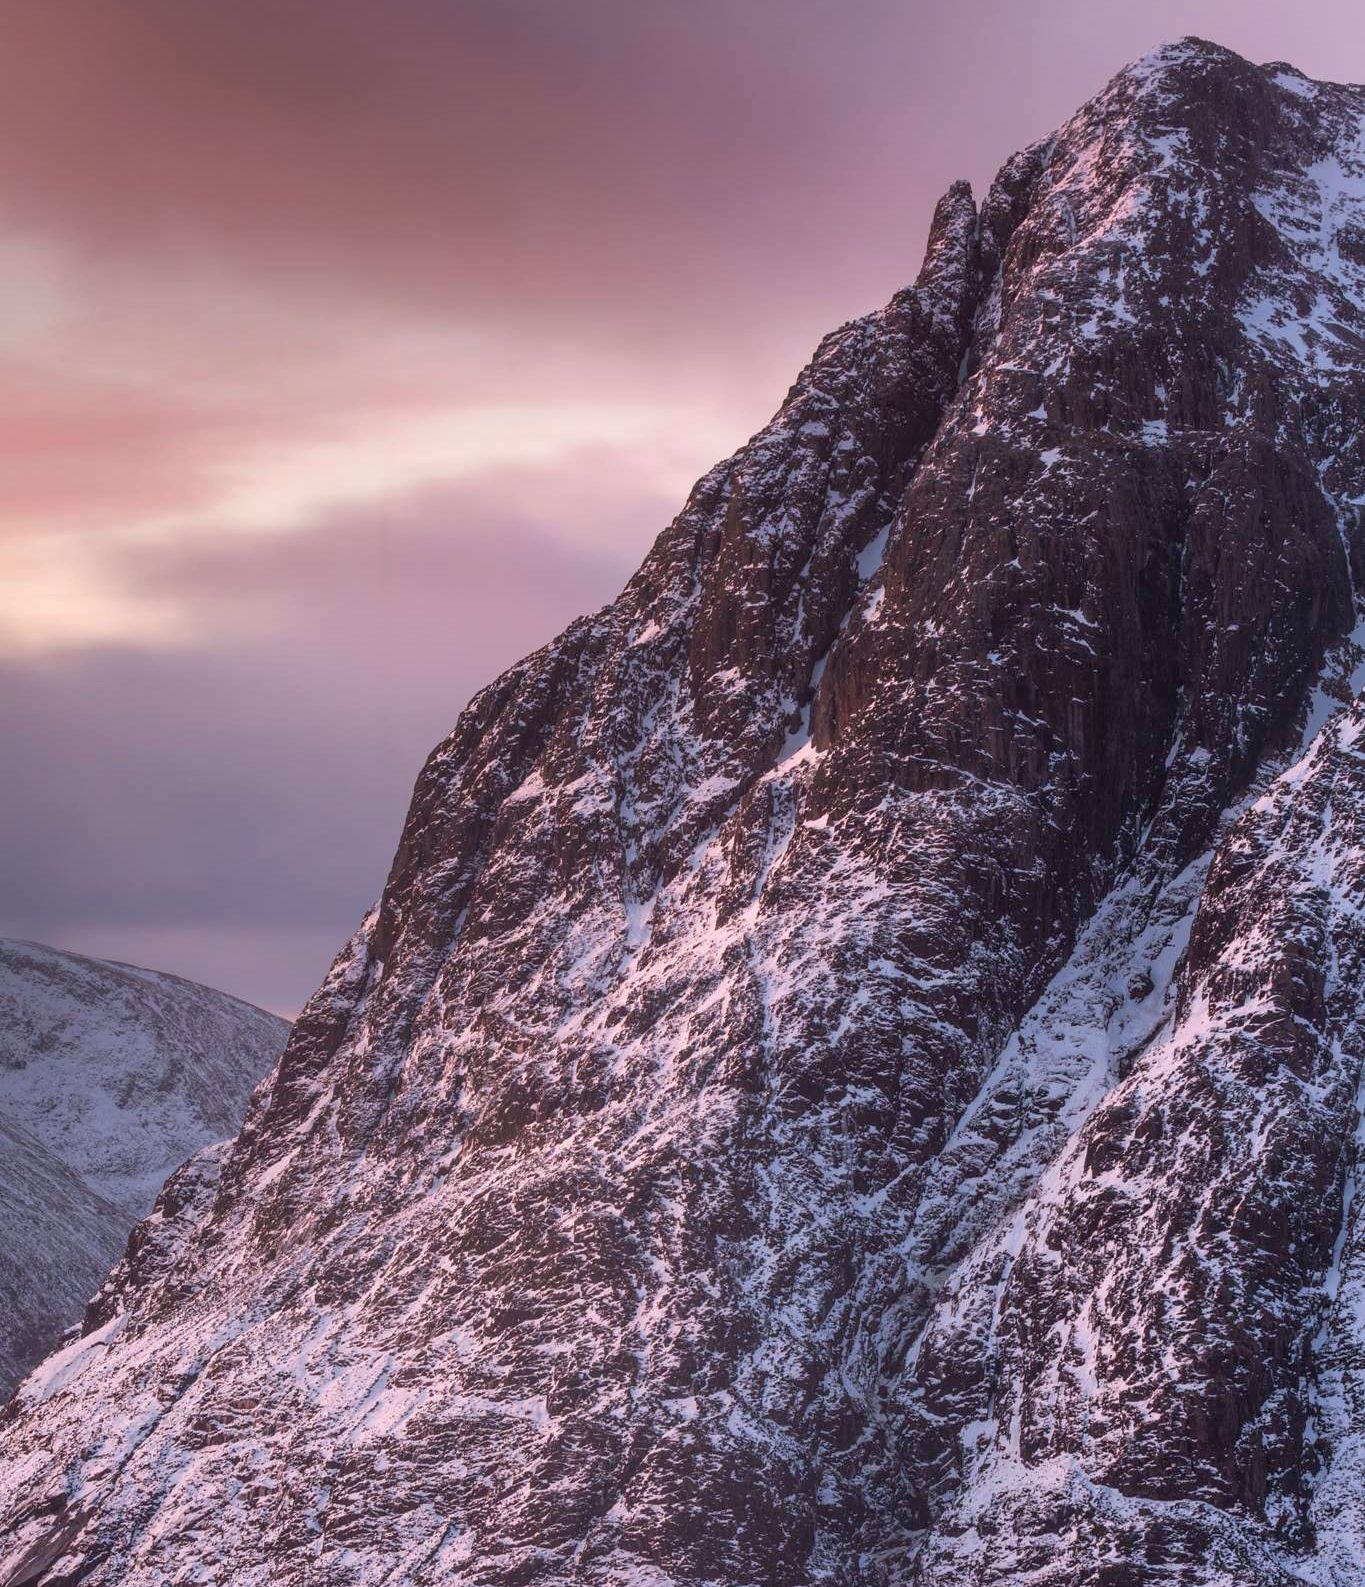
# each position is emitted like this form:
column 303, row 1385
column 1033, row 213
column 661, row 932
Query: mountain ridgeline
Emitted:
column 854, row 1076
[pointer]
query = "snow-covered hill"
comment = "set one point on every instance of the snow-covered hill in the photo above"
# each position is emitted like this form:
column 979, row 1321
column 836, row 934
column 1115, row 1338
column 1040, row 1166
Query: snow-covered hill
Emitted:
column 854, row 1076
column 110, row 1076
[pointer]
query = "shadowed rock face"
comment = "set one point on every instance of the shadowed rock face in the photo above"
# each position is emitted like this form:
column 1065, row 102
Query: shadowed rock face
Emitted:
column 853, row 1075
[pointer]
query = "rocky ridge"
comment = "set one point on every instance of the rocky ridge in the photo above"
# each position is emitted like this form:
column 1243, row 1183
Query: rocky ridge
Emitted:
column 855, row 1072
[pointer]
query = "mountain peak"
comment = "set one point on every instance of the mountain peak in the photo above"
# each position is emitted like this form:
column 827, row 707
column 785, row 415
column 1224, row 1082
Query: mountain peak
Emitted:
column 854, row 1073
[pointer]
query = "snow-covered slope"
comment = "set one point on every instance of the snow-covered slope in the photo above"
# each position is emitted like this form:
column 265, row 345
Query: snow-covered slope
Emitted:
column 853, row 1077
column 57, row 1236
column 110, row 1077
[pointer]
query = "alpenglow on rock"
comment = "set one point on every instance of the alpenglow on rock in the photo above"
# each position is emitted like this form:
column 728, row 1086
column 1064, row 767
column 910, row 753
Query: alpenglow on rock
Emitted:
column 110, row 1076
column 854, row 1074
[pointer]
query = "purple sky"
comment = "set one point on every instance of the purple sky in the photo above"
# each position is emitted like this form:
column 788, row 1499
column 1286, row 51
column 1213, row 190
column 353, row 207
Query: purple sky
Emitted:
column 348, row 350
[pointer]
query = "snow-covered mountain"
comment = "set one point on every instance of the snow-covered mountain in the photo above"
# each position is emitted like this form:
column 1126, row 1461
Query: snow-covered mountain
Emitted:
column 110, row 1077
column 854, row 1076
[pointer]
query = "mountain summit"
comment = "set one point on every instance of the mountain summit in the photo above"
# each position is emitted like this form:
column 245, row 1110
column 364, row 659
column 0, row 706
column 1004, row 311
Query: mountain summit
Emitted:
column 854, row 1076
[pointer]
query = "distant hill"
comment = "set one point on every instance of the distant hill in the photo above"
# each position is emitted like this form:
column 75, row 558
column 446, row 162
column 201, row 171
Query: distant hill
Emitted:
column 110, row 1076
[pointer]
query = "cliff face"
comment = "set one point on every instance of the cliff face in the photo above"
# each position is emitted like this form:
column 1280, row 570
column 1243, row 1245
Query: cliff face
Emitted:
column 853, row 1075
column 110, row 1077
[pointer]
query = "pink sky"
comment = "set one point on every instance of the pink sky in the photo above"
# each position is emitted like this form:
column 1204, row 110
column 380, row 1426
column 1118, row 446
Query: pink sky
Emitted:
column 348, row 350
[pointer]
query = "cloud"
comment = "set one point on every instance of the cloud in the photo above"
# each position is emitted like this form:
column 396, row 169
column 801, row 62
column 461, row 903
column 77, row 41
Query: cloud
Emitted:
column 66, row 583
column 247, row 788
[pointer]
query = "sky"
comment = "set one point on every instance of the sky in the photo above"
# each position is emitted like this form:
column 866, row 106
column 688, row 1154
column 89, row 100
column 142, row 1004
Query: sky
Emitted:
column 348, row 350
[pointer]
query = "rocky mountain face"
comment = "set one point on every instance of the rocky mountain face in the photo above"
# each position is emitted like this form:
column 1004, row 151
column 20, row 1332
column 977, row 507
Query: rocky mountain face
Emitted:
column 854, row 1076
column 109, row 1078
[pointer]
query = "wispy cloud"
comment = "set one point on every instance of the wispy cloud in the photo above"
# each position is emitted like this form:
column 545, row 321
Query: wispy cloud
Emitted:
column 254, row 775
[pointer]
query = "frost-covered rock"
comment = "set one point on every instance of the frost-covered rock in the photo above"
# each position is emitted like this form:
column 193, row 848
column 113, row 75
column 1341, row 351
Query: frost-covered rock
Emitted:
column 853, row 1076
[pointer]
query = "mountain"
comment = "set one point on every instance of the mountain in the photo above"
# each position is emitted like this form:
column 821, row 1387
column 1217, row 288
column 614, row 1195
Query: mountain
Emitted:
column 109, row 1078
column 854, row 1076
